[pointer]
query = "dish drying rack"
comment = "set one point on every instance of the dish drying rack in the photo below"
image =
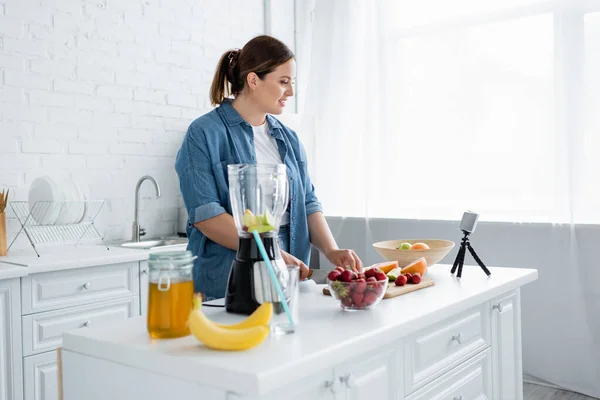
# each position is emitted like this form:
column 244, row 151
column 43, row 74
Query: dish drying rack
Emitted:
column 83, row 229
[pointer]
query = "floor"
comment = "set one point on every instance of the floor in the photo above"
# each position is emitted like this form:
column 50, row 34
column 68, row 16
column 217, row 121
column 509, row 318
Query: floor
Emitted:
column 537, row 392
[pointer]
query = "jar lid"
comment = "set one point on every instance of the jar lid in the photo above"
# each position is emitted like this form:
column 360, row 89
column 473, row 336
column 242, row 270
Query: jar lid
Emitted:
column 172, row 259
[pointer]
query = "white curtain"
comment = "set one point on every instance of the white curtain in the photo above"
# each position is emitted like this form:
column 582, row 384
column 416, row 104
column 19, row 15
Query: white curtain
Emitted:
column 424, row 108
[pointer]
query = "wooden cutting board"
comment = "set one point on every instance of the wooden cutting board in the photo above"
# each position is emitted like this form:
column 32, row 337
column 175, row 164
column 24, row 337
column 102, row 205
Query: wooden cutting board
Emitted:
column 393, row 290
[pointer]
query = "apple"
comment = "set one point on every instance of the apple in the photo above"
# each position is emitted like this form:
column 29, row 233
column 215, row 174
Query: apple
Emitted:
column 404, row 246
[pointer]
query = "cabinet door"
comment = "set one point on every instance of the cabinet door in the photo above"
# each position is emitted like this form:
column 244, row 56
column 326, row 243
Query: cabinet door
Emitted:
column 319, row 386
column 370, row 376
column 11, row 370
column 506, row 347
column 144, row 273
column 472, row 380
column 41, row 377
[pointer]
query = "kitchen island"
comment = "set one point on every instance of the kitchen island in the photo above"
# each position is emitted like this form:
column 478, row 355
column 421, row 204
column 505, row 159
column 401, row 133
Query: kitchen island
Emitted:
column 455, row 340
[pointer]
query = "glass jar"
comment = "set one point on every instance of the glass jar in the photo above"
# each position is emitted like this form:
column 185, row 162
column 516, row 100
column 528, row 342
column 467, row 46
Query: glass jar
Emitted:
column 171, row 293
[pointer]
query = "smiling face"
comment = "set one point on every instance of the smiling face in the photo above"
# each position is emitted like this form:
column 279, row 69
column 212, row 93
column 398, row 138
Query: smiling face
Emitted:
column 272, row 92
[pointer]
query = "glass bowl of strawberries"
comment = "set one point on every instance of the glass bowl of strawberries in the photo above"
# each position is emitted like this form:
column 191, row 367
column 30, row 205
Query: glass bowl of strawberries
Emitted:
column 357, row 291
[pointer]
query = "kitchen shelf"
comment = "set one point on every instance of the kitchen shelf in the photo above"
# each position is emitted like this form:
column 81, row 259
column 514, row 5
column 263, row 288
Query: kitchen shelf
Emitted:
column 76, row 221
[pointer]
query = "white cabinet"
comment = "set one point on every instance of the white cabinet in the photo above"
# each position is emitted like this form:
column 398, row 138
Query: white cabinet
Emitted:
column 506, row 348
column 11, row 378
column 53, row 290
column 41, row 377
column 144, row 274
column 472, row 380
column 43, row 331
column 372, row 375
column 61, row 301
column 438, row 348
column 322, row 385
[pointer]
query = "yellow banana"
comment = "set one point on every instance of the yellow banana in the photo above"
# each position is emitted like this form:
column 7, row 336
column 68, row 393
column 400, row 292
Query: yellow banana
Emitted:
column 261, row 316
column 219, row 338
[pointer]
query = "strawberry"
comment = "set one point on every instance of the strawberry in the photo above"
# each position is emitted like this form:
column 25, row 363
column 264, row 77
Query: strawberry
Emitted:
column 357, row 298
column 333, row 275
column 360, row 285
column 370, row 272
column 401, row 280
column 346, row 276
column 380, row 276
column 347, row 302
column 369, row 298
column 416, row 278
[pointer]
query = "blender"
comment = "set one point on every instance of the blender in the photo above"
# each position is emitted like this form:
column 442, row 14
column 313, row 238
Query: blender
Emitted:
column 259, row 197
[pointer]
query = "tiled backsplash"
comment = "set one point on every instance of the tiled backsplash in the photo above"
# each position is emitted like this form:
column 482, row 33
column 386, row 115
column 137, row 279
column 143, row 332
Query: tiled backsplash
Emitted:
column 102, row 91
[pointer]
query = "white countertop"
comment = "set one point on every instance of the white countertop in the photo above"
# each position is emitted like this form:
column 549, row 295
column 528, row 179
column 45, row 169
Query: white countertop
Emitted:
column 8, row 271
column 60, row 257
column 324, row 335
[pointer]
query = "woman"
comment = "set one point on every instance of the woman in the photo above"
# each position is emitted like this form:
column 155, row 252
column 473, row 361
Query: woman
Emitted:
column 243, row 131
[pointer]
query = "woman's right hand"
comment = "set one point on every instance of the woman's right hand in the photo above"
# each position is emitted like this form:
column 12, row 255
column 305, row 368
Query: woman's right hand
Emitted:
column 289, row 259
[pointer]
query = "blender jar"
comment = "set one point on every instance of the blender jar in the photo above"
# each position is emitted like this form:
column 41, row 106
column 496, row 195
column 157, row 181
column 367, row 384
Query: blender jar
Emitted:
column 259, row 196
column 171, row 293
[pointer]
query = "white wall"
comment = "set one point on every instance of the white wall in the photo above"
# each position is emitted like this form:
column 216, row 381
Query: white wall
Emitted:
column 103, row 91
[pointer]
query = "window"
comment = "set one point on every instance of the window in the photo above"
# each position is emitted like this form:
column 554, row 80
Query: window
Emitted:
column 490, row 105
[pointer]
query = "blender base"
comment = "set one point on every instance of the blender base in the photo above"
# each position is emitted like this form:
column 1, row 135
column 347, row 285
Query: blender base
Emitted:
column 240, row 297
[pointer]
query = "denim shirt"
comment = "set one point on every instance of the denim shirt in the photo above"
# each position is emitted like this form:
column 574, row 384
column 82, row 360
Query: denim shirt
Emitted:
column 213, row 141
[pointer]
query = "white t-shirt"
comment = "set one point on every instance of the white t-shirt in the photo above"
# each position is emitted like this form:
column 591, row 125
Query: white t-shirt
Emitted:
column 267, row 152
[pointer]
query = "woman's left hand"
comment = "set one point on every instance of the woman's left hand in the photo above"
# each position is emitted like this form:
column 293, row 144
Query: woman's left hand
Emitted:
column 345, row 258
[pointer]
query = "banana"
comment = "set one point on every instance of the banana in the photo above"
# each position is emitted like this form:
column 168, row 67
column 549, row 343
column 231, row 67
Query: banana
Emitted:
column 218, row 338
column 261, row 316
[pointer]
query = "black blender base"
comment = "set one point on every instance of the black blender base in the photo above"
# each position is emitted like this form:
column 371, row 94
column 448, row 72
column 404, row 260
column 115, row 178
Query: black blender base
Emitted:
column 239, row 298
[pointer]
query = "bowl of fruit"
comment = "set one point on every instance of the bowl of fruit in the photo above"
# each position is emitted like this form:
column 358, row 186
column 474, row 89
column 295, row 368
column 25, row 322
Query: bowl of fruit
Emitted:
column 357, row 291
column 406, row 251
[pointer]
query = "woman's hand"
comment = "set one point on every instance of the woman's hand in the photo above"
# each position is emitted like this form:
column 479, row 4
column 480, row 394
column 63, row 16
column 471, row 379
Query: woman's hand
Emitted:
column 289, row 259
column 345, row 258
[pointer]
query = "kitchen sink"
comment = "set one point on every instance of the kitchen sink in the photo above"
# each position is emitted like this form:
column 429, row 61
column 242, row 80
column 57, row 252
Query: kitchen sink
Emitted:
column 155, row 243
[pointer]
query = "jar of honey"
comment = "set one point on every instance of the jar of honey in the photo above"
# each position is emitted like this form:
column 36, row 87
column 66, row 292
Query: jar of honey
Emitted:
column 171, row 293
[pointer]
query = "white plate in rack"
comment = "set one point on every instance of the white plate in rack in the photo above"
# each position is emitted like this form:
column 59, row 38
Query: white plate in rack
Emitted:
column 72, row 210
column 42, row 190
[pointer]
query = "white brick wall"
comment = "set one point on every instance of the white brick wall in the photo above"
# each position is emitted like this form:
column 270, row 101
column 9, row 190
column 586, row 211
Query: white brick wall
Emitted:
column 102, row 91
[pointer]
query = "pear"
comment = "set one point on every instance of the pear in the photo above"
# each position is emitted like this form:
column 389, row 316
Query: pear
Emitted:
column 394, row 274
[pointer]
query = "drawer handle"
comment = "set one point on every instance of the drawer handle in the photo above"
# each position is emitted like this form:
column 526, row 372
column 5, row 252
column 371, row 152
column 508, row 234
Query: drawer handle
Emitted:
column 497, row 307
column 458, row 338
column 87, row 285
column 348, row 379
column 87, row 323
column 144, row 272
column 461, row 397
column 330, row 385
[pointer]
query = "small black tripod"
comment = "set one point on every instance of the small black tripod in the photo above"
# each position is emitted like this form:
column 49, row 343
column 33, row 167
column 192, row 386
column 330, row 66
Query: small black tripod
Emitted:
column 460, row 257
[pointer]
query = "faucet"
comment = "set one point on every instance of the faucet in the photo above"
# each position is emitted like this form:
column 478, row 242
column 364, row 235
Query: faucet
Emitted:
column 137, row 231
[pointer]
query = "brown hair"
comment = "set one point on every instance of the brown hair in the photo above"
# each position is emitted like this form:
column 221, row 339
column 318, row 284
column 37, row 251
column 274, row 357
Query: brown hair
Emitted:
column 260, row 55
